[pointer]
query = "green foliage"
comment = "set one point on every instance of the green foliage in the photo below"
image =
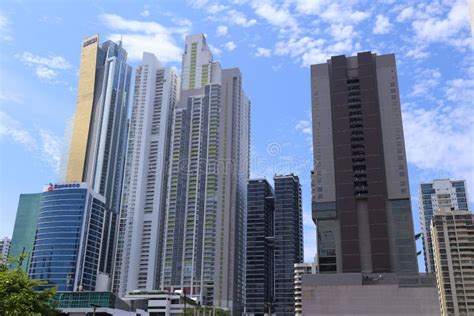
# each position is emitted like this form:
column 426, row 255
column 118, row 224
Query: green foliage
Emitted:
column 17, row 294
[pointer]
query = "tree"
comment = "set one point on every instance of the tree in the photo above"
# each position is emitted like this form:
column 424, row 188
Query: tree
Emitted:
column 18, row 295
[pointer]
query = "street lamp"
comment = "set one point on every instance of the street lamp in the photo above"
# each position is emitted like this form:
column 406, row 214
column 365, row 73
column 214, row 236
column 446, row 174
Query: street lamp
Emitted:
column 94, row 307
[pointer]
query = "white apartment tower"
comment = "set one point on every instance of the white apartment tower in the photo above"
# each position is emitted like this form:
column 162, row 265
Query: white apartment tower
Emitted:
column 204, row 226
column 452, row 234
column 137, row 262
column 436, row 196
column 4, row 249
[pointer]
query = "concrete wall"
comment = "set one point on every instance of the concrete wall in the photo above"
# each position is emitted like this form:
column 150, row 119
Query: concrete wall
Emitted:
column 349, row 296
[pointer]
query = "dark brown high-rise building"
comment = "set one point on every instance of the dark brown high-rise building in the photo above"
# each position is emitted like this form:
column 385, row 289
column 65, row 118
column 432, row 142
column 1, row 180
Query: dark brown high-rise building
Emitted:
column 361, row 202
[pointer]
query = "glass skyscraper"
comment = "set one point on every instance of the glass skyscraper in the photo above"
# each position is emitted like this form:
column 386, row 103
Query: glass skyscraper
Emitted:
column 68, row 237
column 274, row 245
column 99, row 131
column 25, row 227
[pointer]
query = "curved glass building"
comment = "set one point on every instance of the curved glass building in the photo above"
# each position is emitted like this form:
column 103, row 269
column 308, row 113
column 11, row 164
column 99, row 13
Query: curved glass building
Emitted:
column 68, row 237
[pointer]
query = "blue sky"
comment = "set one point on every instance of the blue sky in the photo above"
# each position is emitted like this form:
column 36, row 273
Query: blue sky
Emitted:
column 272, row 43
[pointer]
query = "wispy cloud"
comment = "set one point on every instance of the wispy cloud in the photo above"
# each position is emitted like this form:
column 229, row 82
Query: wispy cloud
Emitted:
column 222, row 30
column 146, row 11
column 13, row 130
column 50, row 148
column 263, row 52
column 238, row 18
column 447, row 24
column 5, row 28
column 8, row 97
column 425, row 80
column 230, row 46
column 46, row 68
column 382, row 25
column 304, row 126
column 46, row 148
column 140, row 36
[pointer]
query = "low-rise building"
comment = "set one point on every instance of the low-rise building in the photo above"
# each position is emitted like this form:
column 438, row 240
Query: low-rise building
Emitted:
column 300, row 270
column 160, row 302
column 369, row 294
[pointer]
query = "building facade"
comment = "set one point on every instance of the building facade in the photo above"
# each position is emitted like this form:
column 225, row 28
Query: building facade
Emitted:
column 204, row 226
column 362, row 204
column 98, row 138
column 452, row 234
column 5, row 243
column 441, row 194
column 388, row 294
column 288, row 241
column 259, row 282
column 67, row 246
column 300, row 270
column 23, row 237
column 137, row 264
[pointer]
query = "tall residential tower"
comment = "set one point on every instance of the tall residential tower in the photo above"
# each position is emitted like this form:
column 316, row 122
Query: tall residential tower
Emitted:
column 138, row 258
column 204, row 226
column 441, row 194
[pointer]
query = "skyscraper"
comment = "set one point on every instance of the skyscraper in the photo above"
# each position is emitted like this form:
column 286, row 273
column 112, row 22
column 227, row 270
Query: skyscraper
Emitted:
column 143, row 207
column 4, row 249
column 452, row 234
column 97, row 149
column 259, row 281
column 274, row 245
column 23, row 237
column 362, row 208
column 68, row 238
column 288, row 240
column 204, row 226
column 441, row 194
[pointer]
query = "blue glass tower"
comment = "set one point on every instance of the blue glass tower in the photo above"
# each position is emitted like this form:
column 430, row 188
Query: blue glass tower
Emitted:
column 66, row 251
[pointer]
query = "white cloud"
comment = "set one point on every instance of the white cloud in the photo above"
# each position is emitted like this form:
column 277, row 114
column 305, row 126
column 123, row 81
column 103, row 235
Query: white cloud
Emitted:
column 13, row 130
column 304, row 126
column 279, row 17
column 139, row 36
column 425, row 80
column 46, row 68
column 146, row 11
column 230, row 46
column 51, row 19
column 452, row 27
column 263, row 52
column 310, row 6
column 4, row 28
column 9, row 97
column 47, row 148
column 342, row 32
column 50, row 148
column 222, row 30
column 216, row 8
column 382, row 25
column 439, row 139
column 238, row 18
column 343, row 13
column 405, row 14
column 215, row 50
column 418, row 52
